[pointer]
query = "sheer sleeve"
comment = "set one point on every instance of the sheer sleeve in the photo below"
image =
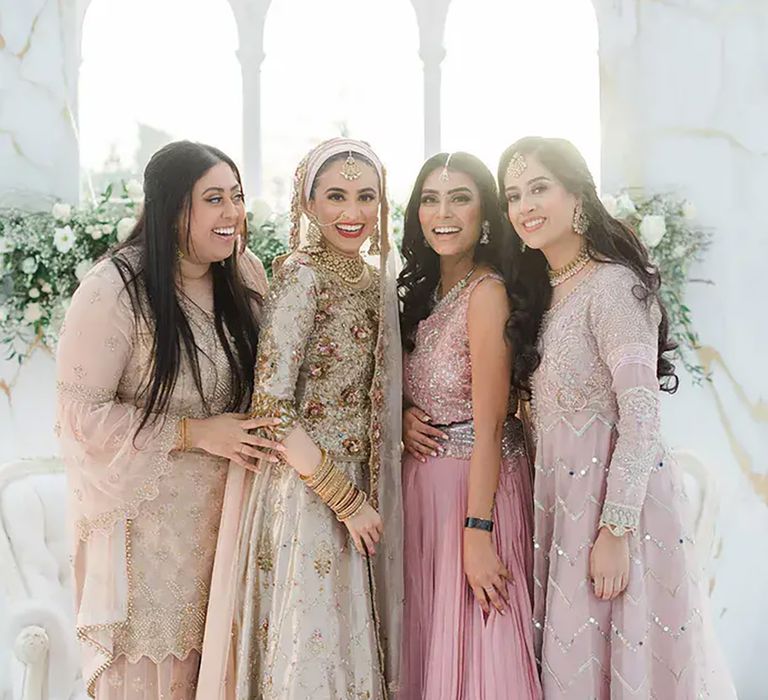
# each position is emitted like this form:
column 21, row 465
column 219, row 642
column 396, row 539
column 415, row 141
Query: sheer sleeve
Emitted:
column 252, row 270
column 626, row 330
column 285, row 332
column 111, row 467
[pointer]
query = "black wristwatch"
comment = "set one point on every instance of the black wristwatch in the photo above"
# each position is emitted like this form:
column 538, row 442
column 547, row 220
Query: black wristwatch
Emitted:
column 479, row 524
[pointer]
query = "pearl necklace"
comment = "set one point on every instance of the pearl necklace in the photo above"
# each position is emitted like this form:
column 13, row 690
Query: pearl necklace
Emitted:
column 562, row 274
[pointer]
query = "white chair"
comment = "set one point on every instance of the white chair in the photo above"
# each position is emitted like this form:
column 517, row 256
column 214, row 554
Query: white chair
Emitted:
column 701, row 487
column 36, row 582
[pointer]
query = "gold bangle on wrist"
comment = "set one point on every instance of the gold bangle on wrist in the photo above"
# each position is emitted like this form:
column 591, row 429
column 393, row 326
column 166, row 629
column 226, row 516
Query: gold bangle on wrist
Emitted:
column 183, row 434
column 335, row 488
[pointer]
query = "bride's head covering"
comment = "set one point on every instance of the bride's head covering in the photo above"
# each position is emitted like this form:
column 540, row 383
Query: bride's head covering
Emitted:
column 386, row 394
column 304, row 179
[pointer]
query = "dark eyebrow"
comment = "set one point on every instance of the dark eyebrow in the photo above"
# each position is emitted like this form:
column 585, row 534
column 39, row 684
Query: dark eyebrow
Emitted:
column 453, row 191
column 540, row 178
column 367, row 190
column 220, row 189
column 336, row 189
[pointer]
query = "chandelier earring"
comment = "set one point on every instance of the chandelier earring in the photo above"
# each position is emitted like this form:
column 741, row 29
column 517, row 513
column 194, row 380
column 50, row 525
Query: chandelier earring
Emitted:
column 523, row 247
column 314, row 235
column 580, row 220
column 374, row 248
column 485, row 237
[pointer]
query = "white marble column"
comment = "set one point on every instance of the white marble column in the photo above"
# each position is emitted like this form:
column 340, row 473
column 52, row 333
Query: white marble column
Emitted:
column 431, row 16
column 39, row 57
column 251, row 59
column 251, row 16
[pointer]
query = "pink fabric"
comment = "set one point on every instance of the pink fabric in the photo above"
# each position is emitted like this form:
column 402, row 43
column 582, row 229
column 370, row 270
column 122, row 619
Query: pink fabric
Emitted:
column 449, row 651
column 171, row 679
column 600, row 460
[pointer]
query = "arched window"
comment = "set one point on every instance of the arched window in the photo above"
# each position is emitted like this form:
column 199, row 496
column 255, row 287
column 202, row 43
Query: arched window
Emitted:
column 516, row 69
column 154, row 72
column 340, row 67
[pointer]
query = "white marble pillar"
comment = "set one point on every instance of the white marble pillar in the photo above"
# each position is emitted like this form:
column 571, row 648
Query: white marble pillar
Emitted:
column 251, row 16
column 431, row 16
column 39, row 49
column 251, row 58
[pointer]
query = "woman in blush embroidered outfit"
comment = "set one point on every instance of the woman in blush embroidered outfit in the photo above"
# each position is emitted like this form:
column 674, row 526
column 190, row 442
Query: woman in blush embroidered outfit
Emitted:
column 156, row 353
column 619, row 609
column 307, row 580
column 466, row 478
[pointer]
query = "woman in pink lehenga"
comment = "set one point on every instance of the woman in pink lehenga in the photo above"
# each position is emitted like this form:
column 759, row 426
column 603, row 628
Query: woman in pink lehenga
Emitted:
column 619, row 609
column 157, row 346
column 466, row 479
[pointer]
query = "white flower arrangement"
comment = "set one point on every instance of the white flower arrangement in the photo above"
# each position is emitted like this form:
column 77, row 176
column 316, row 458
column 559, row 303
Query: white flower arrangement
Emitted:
column 44, row 255
column 666, row 226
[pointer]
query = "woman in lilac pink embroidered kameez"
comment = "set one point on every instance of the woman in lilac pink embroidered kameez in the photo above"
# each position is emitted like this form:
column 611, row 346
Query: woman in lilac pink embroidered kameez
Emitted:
column 619, row 607
column 466, row 477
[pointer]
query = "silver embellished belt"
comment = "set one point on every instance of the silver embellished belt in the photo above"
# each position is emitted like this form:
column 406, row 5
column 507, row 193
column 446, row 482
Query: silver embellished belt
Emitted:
column 461, row 439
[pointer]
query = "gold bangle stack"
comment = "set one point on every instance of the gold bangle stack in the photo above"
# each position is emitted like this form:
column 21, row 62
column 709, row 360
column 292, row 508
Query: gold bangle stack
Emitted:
column 183, row 434
column 335, row 489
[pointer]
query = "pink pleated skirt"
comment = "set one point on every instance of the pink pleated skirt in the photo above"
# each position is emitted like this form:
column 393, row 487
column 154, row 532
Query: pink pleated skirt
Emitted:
column 450, row 651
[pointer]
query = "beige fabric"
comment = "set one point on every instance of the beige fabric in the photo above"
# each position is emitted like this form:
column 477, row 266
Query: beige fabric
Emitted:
column 146, row 517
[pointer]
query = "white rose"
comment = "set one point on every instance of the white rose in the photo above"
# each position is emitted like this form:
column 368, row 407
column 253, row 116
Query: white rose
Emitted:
column 82, row 269
column 64, row 239
column 34, row 293
column 94, row 232
column 689, row 210
column 261, row 211
column 625, row 206
column 652, row 229
column 134, row 190
column 107, row 228
column 5, row 246
column 610, row 204
column 47, row 289
column 62, row 212
column 33, row 312
column 28, row 266
column 124, row 227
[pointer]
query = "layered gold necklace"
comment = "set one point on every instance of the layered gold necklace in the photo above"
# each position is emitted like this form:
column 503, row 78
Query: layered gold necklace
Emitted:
column 562, row 274
column 350, row 270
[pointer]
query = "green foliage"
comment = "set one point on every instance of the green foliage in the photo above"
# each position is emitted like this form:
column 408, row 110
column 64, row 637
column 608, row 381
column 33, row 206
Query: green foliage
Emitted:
column 43, row 256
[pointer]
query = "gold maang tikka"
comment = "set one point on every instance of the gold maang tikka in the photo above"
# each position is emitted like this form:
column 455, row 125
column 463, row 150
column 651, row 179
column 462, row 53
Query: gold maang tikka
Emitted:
column 350, row 170
column 444, row 175
column 517, row 165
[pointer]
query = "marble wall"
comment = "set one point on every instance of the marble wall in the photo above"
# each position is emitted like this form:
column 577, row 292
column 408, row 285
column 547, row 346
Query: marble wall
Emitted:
column 684, row 106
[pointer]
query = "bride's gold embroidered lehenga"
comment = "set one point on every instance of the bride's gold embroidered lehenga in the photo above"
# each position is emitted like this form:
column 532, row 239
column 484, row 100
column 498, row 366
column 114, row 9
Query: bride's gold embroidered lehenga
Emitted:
column 309, row 617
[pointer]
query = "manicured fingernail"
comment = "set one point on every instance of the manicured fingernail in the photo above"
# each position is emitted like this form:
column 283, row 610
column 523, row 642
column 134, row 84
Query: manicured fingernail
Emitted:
column 427, row 419
column 281, row 448
column 445, row 437
column 434, row 453
column 276, row 421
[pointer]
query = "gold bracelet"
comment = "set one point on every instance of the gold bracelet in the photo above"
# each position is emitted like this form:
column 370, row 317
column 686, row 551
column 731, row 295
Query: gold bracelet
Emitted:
column 320, row 473
column 183, row 434
column 335, row 488
column 360, row 500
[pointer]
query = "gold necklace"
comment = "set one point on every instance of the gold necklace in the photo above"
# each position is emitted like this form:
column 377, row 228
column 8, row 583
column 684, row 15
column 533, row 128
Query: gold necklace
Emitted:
column 350, row 270
column 562, row 274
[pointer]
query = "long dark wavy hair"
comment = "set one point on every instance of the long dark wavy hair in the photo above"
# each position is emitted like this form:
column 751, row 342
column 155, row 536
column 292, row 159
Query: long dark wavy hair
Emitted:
column 608, row 240
column 151, row 279
column 421, row 272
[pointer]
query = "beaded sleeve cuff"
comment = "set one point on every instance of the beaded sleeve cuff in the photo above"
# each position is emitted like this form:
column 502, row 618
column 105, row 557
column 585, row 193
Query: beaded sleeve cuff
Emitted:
column 620, row 519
